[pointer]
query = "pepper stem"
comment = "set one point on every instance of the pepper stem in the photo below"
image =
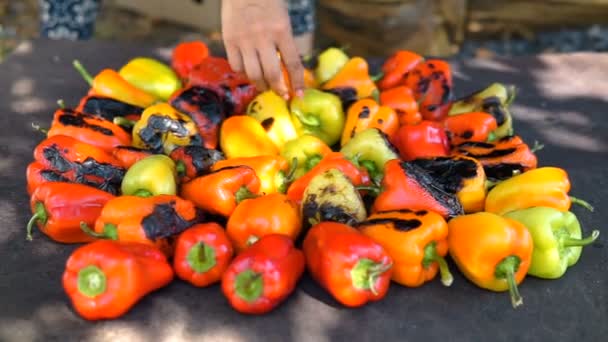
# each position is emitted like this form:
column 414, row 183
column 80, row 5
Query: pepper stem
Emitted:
column 83, row 72
column 377, row 77
column 91, row 281
column 430, row 256
column 312, row 161
column 571, row 242
column 251, row 240
column 243, row 193
column 122, row 121
column 61, row 103
column 201, row 257
column 249, row 285
column 109, row 231
column 308, row 120
column 491, row 137
column 40, row 129
column 581, row 202
column 372, row 169
column 506, row 270
column 143, row 193
column 374, row 190
column 366, row 272
column 40, row 215
column 289, row 177
column 180, row 168
column 537, row 147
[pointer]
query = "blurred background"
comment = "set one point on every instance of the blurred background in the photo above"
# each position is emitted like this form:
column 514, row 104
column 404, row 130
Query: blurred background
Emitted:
column 447, row 28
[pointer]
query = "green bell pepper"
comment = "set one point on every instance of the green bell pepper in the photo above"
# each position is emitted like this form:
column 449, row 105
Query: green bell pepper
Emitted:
column 371, row 149
column 329, row 62
column 151, row 76
column 151, row 176
column 306, row 152
column 318, row 113
column 557, row 239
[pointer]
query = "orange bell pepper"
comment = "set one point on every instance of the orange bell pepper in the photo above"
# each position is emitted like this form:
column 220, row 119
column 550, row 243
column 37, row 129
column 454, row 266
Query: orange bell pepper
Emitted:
column 366, row 113
column 273, row 171
column 129, row 155
column 474, row 126
column 354, row 74
column 396, row 67
column 402, row 100
column 244, row 136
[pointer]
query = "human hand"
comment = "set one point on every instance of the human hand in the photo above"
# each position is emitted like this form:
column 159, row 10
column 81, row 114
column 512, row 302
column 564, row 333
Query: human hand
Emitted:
column 253, row 31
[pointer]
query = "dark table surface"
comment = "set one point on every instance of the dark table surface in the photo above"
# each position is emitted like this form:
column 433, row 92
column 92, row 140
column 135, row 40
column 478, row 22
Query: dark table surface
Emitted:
column 562, row 102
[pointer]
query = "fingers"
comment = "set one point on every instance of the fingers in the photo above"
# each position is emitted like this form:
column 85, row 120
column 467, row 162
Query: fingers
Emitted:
column 291, row 58
column 272, row 69
column 251, row 61
column 234, row 58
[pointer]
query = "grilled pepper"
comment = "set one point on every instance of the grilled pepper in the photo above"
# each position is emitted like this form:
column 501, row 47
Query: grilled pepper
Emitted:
column 371, row 149
column 89, row 129
column 318, row 113
column 329, row 63
column 147, row 220
column 402, row 100
column 491, row 251
column 202, row 254
column 335, row 160
column 151, row 176
column 80, row 162
column 105, row 279
column 271, row 170
column 474, row 126
column 36, row 174
column 462, row 176
column 426, row 139
column 219, row 192
column 235, row 89
column 151, row 76
column 108, row 108
column 205, row 107
column 307, row 151
column 557, row 238
column 501, row 159
column 354, row 74
column 416, row 241
column 162, row 129
column 257, row 217
column 366, row 113
column 271, row 111
column 129, row 155
column 495, row 99
column 347, row 96
column 110, row 84
column 349, row 265
column 243, row 136
column 408, row 186
column 396, row 67
column 542, row 187
column 59, row 207
column 187, row 55
column 263, row 275
column 192, row 161
column 431, row 82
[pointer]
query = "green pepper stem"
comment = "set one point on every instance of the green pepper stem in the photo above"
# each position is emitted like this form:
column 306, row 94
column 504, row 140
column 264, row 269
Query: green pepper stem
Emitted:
column 61, row 103
column 109, row 231
column 374, row 190
column 365, row 273
column 201, row 257
column 506, row 270
column 91, row 281
column 581, row 202
column 83, row 72
column 289, row 177
column 491, row 137
column 249, row 285
column 40, row 215
column 143, row 193
column 312, row 161
column 571, row 242
column 377, row 77
column 40, row 129
column 537, row 147
column 243, row 193
column 376, row 95
column 122, row 121
column 252, row 239
column 430, row 256
column 307, row 120
column 180, row 168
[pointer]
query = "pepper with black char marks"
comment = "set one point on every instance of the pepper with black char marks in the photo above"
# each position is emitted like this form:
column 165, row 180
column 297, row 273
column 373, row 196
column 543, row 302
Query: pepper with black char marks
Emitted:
column 416, row 241
column 148, row 220
column 88, row 128
column 129, row 155
column 431, row 82
column 501, row 159
column 108, row 108
column 37, row 174
column 192, row 161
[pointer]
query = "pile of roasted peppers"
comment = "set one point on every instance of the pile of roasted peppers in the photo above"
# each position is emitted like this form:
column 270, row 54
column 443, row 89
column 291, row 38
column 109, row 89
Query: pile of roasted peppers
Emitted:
column 187, row 171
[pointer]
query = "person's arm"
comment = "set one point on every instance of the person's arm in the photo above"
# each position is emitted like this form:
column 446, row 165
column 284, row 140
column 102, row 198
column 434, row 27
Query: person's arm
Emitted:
column 253, row 31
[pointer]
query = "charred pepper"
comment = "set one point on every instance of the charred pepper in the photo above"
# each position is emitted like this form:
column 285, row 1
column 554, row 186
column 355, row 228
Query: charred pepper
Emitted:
column 192, row 161
column 271, row 111
column 431, row 82
column 366, row 113
column 273, row 171
column 402, row 100
column 354, row 74
column 396, row 67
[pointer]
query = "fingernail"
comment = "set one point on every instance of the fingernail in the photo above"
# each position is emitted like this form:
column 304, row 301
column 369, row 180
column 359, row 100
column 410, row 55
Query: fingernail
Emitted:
column 299, row 93
column 285, row 96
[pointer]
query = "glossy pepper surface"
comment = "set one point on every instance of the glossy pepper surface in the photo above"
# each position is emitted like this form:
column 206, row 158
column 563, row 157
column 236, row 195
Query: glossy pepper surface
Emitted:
column 491, row 251
column 202, row 254
column 105, row 279
column 329, row 62
column 415, row 240
column 543, row 187
column 243, row 136
column 129, row 155
column 162, row 129
column 272, row 112
column 219, row 192
column 352, row 267
column 426, row 139
column 396, row 67
column 367, row 113
column 192, row 161
column 273, row 171
column 431, row 82
column 318, row 113
column 58, row 208
column 256, row 217
column 371, row 148
column 475, row 126
column 151, row 176
column 108, row 108
column 307, row 150
column 354, row 74
column 263, row 275
column 151, row 76
column 402, row 100
column 557, row 237
column 89, row 129
column 187, row 55
column 408, row 186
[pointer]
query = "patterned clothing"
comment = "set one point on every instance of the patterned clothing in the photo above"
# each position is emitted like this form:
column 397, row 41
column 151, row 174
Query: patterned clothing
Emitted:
column 302, row 16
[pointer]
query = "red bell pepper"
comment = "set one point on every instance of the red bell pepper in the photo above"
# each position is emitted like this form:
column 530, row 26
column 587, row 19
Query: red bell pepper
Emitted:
column 426, row 139
column 187, row 55
column 431, row 82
